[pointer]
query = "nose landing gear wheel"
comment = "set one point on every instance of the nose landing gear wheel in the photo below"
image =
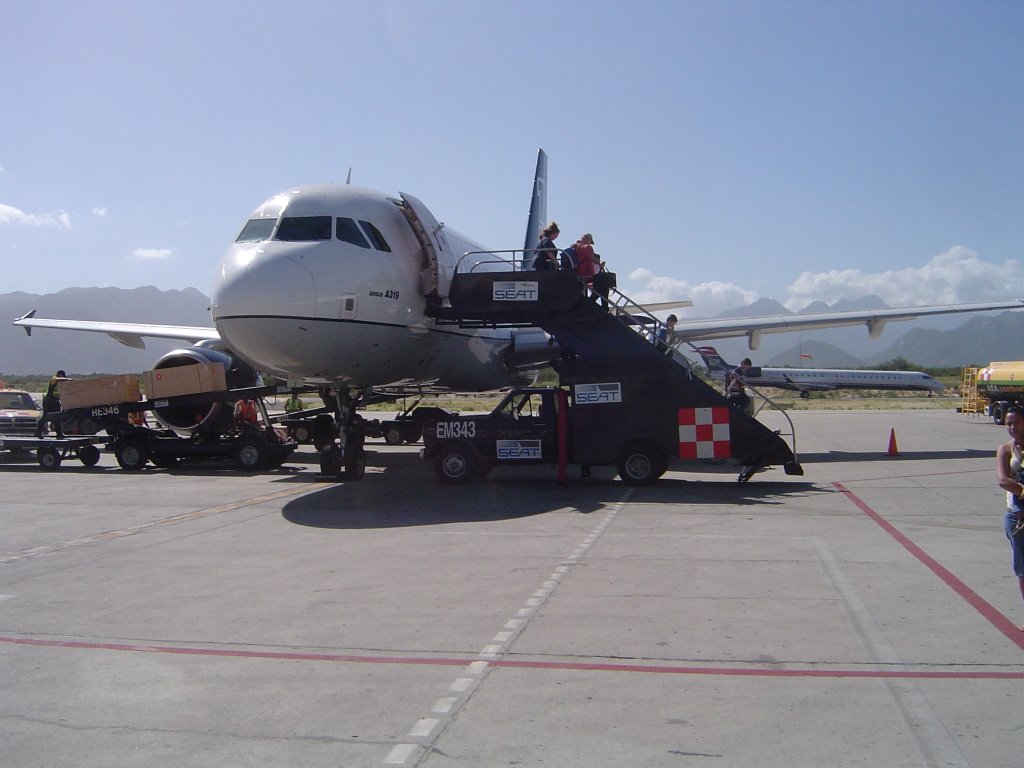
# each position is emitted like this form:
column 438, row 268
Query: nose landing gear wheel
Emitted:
column 352, row 468
column 330, row 460
column 355, row 463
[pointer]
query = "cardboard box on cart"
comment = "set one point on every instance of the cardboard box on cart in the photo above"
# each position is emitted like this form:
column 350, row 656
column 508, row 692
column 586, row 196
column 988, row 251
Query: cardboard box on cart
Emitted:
column 99, row 390
column 184, row 380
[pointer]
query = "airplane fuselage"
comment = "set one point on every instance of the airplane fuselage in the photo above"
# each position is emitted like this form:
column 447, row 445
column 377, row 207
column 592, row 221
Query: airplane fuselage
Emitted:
column 806, row 380
column 325, row 284
column 821, row 379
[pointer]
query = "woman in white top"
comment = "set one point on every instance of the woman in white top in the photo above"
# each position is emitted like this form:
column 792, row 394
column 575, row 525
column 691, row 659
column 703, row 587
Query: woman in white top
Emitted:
column 1009, row 475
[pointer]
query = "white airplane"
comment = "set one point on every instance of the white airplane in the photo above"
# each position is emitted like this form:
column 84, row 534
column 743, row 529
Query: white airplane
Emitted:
column 807, row 380
column 330, row 286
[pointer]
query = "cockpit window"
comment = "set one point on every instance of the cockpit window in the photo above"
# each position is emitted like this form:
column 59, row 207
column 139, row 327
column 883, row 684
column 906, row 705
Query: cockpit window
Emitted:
column 349, row 232
column 303, row 228
column 374, row 234
column 256, row 230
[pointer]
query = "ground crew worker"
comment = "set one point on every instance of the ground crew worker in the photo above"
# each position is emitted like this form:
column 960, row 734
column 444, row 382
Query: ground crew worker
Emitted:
column 245, row 413
column 51, row 405
column 293, row 404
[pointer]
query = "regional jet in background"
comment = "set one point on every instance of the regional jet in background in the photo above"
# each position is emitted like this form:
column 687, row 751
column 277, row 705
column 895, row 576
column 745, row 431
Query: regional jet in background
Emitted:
column 807, row 380
column 331, row 286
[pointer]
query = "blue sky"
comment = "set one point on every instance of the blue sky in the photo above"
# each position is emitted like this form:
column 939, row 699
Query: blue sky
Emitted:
column 718, row 150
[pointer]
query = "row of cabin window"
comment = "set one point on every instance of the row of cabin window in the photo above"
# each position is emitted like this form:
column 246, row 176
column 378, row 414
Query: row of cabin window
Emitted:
column 295, row 229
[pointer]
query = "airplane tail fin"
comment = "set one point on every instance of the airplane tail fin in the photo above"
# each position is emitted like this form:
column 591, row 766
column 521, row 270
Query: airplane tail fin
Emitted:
column 713, row 360
column 538, row 203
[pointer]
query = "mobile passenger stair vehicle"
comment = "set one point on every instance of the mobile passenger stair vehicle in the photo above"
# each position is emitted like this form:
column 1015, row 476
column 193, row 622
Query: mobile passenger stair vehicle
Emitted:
column 626, row 397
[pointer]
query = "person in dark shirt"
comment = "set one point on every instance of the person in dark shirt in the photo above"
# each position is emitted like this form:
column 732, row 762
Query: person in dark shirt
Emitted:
column 546, row 257
column 735, row 386
column 51, row 405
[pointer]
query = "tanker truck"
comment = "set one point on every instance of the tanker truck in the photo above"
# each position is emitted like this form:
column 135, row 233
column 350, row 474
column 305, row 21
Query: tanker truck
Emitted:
column 1002, row 384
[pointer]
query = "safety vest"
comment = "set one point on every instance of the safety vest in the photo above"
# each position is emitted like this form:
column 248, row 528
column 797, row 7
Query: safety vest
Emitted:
column 247, row 411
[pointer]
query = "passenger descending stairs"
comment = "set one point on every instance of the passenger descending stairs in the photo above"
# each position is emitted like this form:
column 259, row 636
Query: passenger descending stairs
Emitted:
column 594, row 332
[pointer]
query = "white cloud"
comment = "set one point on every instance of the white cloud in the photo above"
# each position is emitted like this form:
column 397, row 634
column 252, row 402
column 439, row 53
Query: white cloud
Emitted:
column 99, row 211
column 708, row 299
column 954, row 277
column 957, row 275
column 11, row 215
column 152, row 253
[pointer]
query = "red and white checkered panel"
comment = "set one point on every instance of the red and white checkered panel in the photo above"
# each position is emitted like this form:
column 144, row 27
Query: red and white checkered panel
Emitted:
column 704, row 433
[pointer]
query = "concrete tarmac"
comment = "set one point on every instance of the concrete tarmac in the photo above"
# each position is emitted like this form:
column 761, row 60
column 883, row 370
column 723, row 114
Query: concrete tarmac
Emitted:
column 864, row 614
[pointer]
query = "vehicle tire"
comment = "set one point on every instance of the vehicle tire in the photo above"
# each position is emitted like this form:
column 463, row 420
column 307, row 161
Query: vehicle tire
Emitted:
column 998, row 413
column 301, row 433
column 355, row 463
column 89, row 455
column 324, row 431
column 87, row 426
column 49, row 458
column 412, row 434
column 165, row 461
column 455, row 464
column 393, row 435
column 250, row 453
column 639, row 464
column 330, row 460
column 131, row 455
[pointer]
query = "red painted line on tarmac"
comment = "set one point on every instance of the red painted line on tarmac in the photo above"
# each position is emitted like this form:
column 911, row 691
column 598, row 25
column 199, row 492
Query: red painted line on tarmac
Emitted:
column 982, row 606
column 661, row 669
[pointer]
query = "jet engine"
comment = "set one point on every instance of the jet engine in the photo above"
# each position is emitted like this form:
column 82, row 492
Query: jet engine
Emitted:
column 212, row 418
column 531, row 347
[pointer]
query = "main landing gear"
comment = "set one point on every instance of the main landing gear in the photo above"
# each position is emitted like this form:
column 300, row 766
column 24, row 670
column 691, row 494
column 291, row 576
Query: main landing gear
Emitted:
column 344, row 458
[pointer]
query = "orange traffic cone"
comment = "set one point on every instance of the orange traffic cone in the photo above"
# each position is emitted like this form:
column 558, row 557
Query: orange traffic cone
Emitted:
column 893, row 450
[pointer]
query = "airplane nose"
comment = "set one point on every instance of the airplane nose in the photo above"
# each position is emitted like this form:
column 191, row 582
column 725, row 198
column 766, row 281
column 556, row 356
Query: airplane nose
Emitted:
column 261, row 294
column 261, row 280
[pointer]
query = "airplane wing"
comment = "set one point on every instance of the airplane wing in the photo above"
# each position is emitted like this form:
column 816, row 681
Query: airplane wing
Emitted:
column 660, row 306
column 129, row 334
column 875, row 320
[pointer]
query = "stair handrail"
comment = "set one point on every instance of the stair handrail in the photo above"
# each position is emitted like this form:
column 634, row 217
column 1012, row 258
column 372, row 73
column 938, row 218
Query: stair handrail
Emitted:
column 517, row 265
column 767, row 401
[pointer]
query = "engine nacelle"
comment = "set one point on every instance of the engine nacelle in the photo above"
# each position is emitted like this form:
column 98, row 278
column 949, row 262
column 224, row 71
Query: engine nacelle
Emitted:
column 215, row 417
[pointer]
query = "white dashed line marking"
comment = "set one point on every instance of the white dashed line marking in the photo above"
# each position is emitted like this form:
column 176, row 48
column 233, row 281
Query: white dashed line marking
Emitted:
column 461, row 684
column 444, row 706
column 401, row 754
column 423, row 727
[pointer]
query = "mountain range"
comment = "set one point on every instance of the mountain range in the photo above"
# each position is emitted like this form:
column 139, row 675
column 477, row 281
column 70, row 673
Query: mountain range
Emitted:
column 82, row 353
column 938, row 342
